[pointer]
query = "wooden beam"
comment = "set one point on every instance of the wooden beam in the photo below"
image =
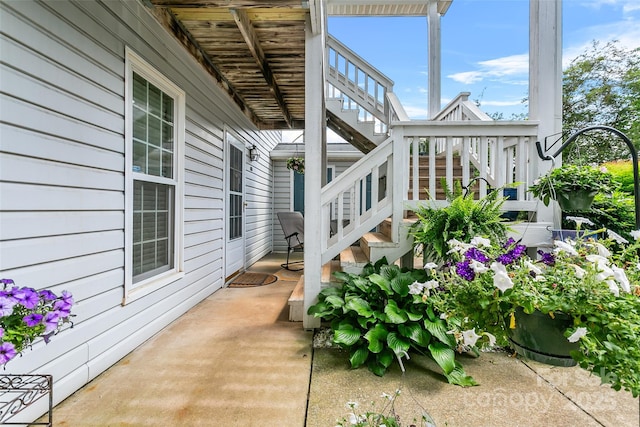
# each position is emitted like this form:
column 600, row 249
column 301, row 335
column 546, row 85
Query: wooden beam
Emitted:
column 236, row 4
column 223, row 14
column 169, row 21
column 251, row 38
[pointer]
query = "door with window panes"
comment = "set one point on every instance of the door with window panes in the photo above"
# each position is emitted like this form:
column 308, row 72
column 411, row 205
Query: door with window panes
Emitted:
column 235, row 204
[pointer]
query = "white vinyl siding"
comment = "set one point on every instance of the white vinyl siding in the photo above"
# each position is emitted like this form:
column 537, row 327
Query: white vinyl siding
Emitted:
column 64, row 177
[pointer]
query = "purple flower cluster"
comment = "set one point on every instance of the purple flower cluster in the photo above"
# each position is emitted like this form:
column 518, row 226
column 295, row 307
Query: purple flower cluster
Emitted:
column 547, row 258
column 515, row 251
column 26, row 314
column 464, row 270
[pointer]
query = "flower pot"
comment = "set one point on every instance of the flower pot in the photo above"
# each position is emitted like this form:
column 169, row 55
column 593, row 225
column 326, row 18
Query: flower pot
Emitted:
column 540, row 337
column 576, row 201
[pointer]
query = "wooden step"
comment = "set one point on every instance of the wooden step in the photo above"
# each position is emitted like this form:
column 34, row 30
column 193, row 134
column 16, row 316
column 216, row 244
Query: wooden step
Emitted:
column 296, row 302
column 353, row 259
column 327, row 278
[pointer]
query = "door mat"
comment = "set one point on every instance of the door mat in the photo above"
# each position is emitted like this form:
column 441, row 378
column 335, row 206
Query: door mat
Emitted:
column 248, row 280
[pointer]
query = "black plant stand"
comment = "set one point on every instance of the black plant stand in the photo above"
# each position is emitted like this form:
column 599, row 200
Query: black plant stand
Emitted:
column 18, row 392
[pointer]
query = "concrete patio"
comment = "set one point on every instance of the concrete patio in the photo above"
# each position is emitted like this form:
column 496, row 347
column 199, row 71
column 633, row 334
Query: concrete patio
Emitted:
column 236, row 360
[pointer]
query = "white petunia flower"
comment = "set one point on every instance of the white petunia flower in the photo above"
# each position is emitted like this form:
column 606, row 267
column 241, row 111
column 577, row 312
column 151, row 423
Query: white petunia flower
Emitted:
column 602, row 251
column 635, row 234
column 478, row 267
column 416, row 288
column 501, row 279
column 492, row 338
column 564, row 246
column 470, row 337
column 479, row 242
column 532, row 267
column 618, row 238
column 613, row 287
column 430, row 266
column 621, row 277
column 579, row 333
column 600, row 261
column 580, row 272
column 579, row 220
column 458, row 246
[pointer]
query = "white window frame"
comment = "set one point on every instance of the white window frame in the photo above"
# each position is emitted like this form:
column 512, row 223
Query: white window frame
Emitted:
column 133, row 291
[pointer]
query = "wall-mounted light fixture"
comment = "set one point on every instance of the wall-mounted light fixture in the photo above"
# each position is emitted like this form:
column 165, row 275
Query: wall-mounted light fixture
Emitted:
column 254, row 155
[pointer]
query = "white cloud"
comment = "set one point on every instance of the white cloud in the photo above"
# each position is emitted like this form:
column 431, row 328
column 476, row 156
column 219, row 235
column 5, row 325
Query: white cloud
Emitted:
column 513, row 65
column 416, row 112
column 486, row 103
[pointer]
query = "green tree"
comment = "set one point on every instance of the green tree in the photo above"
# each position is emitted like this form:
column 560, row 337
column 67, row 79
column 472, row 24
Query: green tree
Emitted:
column 602, row 87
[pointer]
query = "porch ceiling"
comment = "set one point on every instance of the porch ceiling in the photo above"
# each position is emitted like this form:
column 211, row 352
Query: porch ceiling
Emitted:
column 254, row 49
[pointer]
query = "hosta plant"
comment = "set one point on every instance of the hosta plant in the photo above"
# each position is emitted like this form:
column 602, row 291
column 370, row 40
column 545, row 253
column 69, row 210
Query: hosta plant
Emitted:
column 385, row 313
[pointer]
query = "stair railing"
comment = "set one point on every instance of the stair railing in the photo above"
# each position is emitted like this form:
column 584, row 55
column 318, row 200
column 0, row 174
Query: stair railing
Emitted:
column 461, row 109
column 359, row 85
column 357, row 200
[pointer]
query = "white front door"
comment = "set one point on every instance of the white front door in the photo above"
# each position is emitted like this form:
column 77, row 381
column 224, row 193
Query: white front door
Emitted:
column 234, row 174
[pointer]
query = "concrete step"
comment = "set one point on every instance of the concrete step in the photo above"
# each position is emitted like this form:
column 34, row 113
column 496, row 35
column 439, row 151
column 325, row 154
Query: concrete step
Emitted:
column 296, row 302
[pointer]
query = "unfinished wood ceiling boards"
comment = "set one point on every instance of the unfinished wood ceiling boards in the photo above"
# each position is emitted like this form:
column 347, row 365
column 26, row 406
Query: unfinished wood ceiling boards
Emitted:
column 254, row 49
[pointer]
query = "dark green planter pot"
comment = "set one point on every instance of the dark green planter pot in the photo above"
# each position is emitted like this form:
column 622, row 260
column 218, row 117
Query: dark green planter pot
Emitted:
column 576, row 201
column 540, row 337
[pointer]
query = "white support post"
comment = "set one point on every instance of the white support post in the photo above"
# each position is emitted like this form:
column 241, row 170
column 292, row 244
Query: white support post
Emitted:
column 434, row 59
column 315, row 164
column 545, row 84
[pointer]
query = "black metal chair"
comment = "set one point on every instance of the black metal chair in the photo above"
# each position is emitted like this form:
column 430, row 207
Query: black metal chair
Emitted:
column 292, row 224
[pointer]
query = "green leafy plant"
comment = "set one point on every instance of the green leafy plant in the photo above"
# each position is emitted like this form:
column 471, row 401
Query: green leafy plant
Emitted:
column 383, row 314
column 595, row 283
column 613, row 211
column 385, row 416
column 570, row 179
column 622, row 172
column 296, row 164
column 462, row 219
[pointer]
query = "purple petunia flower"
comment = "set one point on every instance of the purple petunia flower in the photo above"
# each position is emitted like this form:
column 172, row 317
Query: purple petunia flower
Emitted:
column 476, row 254
column 67, row 297
column 6, row 306
column 62, row 308
column 47, row 295
column 32, row 319
column 7, row 352
column 7, row 281
column 547, row 258
column 464, row 270
column 51, row 321
column 29, row 298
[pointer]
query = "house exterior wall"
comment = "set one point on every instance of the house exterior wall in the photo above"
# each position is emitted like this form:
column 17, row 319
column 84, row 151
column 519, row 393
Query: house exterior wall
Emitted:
column 62, row 180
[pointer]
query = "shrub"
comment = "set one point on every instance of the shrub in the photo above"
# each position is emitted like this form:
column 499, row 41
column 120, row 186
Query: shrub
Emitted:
column 384, row 313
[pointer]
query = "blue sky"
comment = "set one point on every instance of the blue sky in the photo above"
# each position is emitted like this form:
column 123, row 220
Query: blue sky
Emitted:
column 484, row 47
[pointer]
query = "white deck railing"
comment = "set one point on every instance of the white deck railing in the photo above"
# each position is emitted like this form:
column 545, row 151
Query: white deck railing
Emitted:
column 359, row 85
column 504, row 149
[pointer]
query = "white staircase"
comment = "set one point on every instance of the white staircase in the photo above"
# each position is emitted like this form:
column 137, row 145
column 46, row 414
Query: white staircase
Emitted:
column 368, row 202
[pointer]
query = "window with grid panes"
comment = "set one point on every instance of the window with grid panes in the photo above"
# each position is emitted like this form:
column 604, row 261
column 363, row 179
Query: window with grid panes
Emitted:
column 153, row 199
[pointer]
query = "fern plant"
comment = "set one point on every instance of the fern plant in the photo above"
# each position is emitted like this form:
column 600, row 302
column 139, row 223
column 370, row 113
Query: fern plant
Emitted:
column 382, row 314
column 462, row 219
